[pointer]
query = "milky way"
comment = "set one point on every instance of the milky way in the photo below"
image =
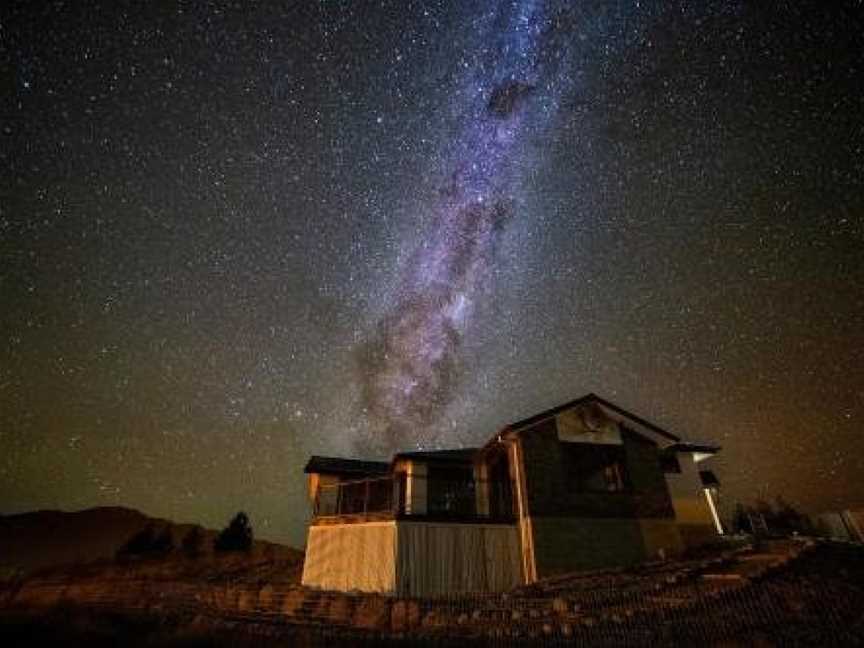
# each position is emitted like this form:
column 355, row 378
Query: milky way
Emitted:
column 233, row 235
column 411, row 368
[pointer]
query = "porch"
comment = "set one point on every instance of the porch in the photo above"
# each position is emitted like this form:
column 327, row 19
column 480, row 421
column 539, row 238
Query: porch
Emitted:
column 453, row 498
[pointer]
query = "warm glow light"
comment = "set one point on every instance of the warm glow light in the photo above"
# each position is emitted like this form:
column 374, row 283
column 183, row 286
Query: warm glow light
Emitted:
column 717, row 524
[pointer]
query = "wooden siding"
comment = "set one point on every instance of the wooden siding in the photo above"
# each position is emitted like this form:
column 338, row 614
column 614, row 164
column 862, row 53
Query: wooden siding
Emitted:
column 550, row 493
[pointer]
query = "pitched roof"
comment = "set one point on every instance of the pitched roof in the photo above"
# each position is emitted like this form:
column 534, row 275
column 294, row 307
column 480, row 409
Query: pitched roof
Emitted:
column 452, row 454
column 342, row 466
column 594, row 398
column 695, row 446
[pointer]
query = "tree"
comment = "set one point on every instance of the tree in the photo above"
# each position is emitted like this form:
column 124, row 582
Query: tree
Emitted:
column 193, row 543
column 147, row 542
column 139, row 544
column 163, row 543
column 741, row 520
column 237, row 536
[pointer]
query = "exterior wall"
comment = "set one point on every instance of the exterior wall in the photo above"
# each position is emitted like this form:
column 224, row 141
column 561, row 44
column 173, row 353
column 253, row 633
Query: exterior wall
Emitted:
column 573, row 530
column 688, row 500
column 349, row 557
column 572, row 544
column 436, row 559
column 842, row 525
column 549, row 494
column 481, row 478
column 661, row 538
column 413, row 558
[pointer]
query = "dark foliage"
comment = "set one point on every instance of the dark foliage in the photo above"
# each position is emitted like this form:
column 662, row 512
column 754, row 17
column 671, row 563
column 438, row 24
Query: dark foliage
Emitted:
column 237, row 536
column 781, row 519
column 163, row 543
column 148, row 543
column 193, row 543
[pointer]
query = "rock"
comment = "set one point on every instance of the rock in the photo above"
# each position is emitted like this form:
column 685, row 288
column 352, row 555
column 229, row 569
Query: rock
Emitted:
column 245, row 601
column 293, row 601
column 265, row 597
column 373, row 612
column 405, row 615
column 433, row 619
column 339, row 610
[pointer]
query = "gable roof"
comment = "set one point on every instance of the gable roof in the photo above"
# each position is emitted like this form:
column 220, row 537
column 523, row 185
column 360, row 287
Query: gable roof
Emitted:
column 359, row 467
column 611, row 408
column 666, row 439
column 342, row 466
column 694, row 446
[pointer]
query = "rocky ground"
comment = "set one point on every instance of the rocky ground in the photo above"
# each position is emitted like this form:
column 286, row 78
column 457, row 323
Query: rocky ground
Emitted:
column 785, row 592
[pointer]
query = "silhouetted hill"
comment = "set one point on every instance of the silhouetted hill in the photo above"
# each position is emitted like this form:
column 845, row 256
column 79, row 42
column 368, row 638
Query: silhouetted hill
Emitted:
column 40, row 539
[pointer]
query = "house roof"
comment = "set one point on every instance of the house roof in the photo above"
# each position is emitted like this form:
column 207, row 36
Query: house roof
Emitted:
column 594, row 398
column 453, row 454
column 342, row 466
column 667, row 439
column 695, row 446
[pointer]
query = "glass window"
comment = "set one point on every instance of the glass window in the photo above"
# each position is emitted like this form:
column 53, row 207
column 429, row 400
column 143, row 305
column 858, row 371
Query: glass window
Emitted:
column 451, row 490
column 595, row 467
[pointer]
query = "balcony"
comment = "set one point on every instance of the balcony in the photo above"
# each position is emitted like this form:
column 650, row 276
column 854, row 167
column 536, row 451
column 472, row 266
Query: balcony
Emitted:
column 414, row 497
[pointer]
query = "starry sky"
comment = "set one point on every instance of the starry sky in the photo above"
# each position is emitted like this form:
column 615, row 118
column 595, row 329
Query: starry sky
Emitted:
column 236, row 234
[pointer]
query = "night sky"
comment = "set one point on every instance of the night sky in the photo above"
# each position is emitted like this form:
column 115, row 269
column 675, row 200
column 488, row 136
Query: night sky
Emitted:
column 233, row 235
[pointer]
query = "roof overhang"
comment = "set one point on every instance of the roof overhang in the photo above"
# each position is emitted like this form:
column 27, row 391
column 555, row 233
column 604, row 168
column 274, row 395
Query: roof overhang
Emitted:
column 343, row 466
column 663, row 438
column 701, row 451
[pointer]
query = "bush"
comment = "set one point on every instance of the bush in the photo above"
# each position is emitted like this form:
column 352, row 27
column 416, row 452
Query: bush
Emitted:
column 193, row 543
column 163, row 543
column 237, row 536
column 147, row 543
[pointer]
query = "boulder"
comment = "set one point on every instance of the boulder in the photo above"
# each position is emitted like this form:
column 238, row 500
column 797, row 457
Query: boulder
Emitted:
column 404, row 616
column 339, row 610
column 373, row 612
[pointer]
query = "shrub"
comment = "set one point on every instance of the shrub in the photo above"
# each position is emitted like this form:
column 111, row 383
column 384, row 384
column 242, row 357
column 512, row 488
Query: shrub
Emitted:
column 237, row 536
column 147, row 542
column 193, row 543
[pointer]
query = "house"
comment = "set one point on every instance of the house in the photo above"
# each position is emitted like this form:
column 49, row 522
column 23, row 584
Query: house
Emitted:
column 585, row 485
column 845, row 525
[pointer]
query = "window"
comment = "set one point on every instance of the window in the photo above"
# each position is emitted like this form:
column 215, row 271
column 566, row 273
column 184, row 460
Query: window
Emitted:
column 595, row 467
column 451, row 490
